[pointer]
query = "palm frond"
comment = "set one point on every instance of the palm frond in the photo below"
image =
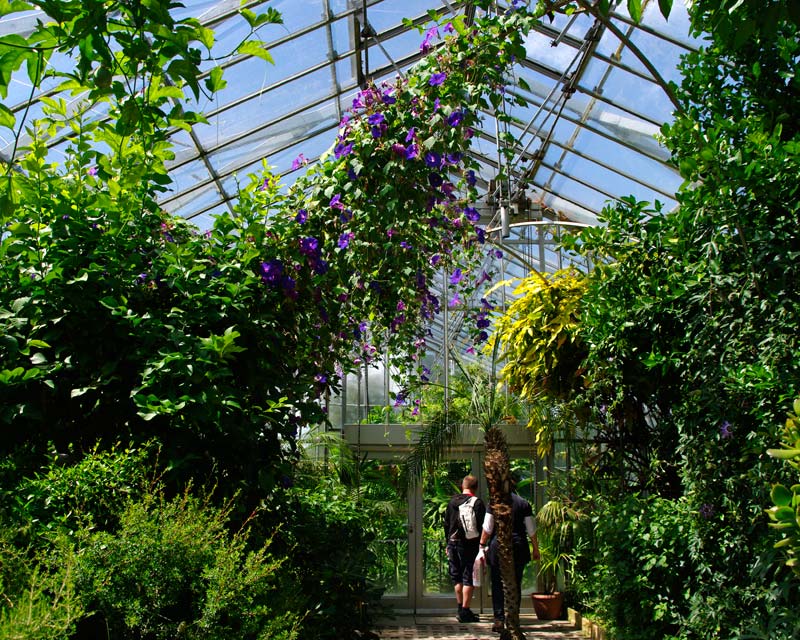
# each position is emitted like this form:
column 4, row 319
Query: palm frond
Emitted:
column 442, row 431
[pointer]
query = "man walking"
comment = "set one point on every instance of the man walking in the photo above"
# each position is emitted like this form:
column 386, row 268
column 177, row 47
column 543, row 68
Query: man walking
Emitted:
column 462, row 521
column 523, row 528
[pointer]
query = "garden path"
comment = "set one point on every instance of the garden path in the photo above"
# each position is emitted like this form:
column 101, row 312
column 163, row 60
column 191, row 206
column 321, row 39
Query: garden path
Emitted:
column 446, row 628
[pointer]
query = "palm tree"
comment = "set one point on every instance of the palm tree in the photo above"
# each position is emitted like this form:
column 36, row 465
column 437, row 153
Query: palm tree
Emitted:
column 486, row 410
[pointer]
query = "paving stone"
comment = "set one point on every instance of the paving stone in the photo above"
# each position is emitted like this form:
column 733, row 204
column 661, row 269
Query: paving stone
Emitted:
column 444, row 628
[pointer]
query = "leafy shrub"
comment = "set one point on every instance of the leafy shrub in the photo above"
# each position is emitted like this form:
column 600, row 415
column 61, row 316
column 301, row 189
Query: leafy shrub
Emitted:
column 325, row 532
column 173, row 569
column 92, row 492
column 38, row 599
column 641, row 567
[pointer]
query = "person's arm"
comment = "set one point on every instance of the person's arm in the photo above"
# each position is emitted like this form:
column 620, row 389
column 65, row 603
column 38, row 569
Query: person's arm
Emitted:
column 530, row 528
column 487, row 529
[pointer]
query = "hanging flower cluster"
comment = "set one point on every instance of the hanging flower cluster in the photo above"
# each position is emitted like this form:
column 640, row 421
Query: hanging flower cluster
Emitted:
column 362, row 236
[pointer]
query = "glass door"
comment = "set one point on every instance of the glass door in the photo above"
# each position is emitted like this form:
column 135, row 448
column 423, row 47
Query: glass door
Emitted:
column 434, row 589
column 394, row 543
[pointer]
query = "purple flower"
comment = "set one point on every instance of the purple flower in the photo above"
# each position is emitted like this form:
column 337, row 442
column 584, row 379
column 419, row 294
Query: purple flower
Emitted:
column 455, row 118
column 399, row 149
column 471, row 179
column 289, row 287
column 309, row 246
column 435, row 259
column 298, row 162
column 433, row 159
column 425, row 375
column 336, row 202
column 448, row 28
column 480, row 234
column 398, row 320
column 470, row 350
column 271, row 271
column 725, row 430
column 401, row 306
column 453, row 158
column 378, row 131
column 411, row 133
column 320, row 267
column 433, row 32
column 472, row 214
column 320, row 378
column 342, row 149
column 376, row 119
column 405, row 245
column 454, row 301
column 456, row 276
column 435, row 180
column 387, row 97
column 437, row 79
column 497, row 254
column 91, row 171
column 482, row 337
column 345, row 238
column 301, row 217
column 412, row 152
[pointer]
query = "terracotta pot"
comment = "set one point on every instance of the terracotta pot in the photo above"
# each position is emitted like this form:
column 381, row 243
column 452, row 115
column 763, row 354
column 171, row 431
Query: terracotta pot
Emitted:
column 548, row 606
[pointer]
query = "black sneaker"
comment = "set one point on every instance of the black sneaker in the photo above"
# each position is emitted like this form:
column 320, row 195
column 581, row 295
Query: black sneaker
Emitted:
column 467, row 615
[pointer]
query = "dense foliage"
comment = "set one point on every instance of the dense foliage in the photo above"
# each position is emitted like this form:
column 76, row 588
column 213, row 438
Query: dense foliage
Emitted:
column 690, row 325
column 214, row 347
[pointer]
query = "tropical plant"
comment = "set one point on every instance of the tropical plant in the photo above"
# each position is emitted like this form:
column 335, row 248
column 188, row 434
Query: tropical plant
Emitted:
column 785, row 514
column 540, row 341
column 556, row 524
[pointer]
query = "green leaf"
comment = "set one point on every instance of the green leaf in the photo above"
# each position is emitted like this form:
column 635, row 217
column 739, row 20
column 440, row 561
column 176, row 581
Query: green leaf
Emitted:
column 206, row 36
column 635, row 10
column 257, row 49
column 215, row 82
column 781, row 496
column 7, row 118
column 784, row 454
column 665, row 6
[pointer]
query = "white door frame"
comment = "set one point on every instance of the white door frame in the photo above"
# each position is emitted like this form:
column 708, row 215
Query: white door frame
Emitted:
column 392, row 442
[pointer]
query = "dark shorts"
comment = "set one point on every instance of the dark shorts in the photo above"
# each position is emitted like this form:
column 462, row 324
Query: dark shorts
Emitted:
column 460, row 558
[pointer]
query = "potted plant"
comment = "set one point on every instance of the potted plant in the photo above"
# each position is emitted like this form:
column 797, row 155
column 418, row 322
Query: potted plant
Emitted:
column 555, row 522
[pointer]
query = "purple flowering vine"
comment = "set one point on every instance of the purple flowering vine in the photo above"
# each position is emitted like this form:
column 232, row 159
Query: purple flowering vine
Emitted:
column 309, row 246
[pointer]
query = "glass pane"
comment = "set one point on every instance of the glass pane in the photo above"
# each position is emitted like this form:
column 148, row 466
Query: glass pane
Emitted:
column 380, row 482
column 439, row 486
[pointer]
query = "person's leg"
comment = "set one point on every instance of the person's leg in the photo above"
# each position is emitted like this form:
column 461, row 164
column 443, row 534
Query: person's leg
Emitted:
column 498, row 603
column 459, row 589
column 455, row 571
column 466, row 598
column 519, row 570
column 468, row 553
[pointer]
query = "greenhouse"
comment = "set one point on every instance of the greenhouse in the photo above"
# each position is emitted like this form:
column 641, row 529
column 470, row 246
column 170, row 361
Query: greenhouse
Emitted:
column 343, row 319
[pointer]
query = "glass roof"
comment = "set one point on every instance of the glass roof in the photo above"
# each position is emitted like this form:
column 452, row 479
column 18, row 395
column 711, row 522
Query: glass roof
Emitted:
column 587, row 134
column 595, row 94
